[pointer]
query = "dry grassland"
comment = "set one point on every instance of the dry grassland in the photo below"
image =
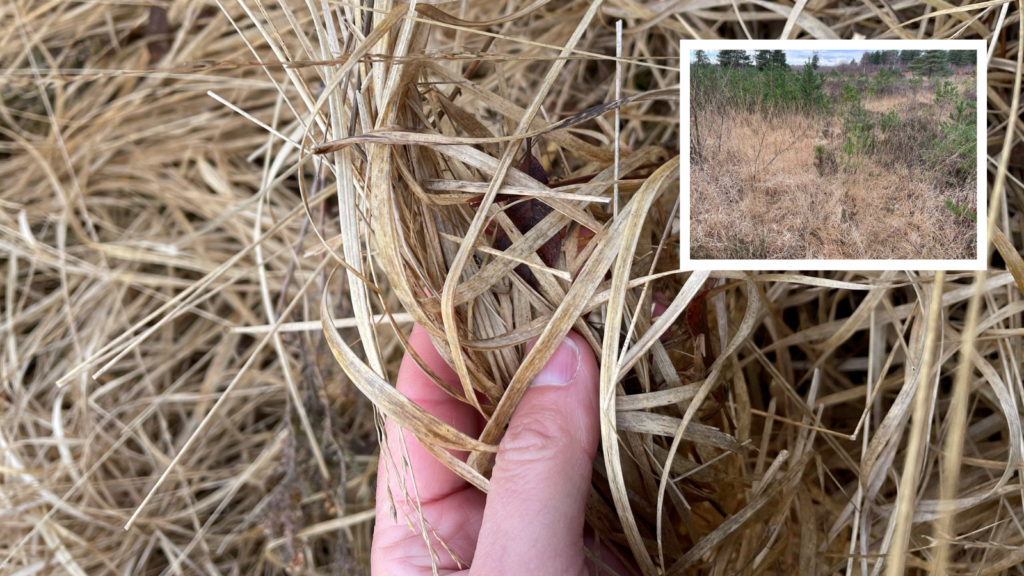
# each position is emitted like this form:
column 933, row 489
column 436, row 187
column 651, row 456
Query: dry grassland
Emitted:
column 760, row 195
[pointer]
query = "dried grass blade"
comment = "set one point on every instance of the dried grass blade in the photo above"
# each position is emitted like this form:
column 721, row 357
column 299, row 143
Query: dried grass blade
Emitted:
column 811, row 281
column 510, row 110
column 655, row 399
column 744, row 330
column 737, row 520
column 791, row 20
column 961, row 385
column 667, row 318
column 1008, row 405
column 635, row 212
column 663, row 425
column 406, row 413
column 957, row 11
column 477, row 159
column 1014, row 262
column 896, row 558
column 467, row 122
column 524, row 248
column 403, row 137
column 809, row 23
column 442, row 16
column 860, row 315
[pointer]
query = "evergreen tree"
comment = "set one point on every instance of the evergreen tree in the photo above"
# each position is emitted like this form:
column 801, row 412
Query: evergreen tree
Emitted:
column 871, row 58
column 762, row 58
column 809, row 86
column 931, row 63
column 733, row 58
column 814, row 61
column 778, row 59
column 961, row 58
column 908, row 56
column 702, row 59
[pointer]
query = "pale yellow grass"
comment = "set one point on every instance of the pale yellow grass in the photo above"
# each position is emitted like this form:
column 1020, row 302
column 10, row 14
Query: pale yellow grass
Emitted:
column 923, row 96
column 744, row 205
column 885, row 103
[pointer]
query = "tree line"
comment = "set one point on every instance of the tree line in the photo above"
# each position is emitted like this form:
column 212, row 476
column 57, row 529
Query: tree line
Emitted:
column 908, row 57
column 762, row 60
column 923, row 62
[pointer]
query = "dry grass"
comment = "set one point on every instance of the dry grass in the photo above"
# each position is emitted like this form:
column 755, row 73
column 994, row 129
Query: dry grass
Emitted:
column 152, row 239
column 908, row 101
column 760, row 195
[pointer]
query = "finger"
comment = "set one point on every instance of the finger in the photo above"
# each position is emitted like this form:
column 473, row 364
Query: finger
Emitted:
column 451, row 508
column 534, row 515
column 433, row 479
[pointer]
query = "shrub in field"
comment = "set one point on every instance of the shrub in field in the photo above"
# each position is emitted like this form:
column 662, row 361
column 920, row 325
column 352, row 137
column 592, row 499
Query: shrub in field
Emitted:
column 945, row 92
column 908, row 143
column 809, row 88
column 955, row 151
column 885, row 81
column 964, row 113
column 825, row 161
column 777, row 89
column 889, row 122
column 959, row 210
column 857, row 127
column 707, row 109
column 916, row 83
column 849, row 94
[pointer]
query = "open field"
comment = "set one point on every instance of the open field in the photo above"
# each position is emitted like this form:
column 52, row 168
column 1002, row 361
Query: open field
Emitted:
column 776, row 182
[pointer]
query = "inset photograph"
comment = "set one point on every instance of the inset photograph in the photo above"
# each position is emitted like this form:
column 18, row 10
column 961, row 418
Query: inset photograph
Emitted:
column 862, row 154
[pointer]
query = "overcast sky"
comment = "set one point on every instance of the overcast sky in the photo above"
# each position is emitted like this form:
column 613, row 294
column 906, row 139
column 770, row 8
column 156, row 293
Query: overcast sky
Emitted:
column 795, row 57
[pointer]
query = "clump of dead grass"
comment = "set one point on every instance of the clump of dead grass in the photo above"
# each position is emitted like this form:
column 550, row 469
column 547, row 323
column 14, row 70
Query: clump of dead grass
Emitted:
column 166, row 274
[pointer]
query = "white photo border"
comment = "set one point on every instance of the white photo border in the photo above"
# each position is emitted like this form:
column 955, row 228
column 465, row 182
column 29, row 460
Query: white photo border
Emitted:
column 686, row 263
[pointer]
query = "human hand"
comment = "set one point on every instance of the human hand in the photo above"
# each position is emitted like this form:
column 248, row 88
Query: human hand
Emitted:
column 531, row 522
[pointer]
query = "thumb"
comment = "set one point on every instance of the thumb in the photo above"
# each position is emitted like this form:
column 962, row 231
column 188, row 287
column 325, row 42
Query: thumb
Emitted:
column 533, row 520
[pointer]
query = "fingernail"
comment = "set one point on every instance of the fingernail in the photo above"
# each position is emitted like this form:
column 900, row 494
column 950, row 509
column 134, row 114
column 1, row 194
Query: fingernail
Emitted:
column 561, row 367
